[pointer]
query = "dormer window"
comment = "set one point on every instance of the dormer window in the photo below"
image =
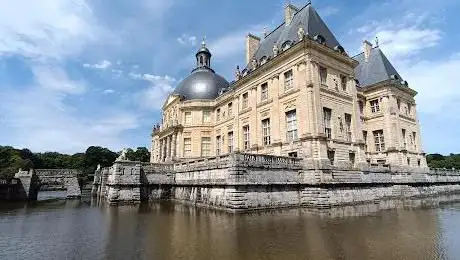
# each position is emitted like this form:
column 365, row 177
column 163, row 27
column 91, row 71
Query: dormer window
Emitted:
column 320, row 39
column 263, row 60
column 286, row 45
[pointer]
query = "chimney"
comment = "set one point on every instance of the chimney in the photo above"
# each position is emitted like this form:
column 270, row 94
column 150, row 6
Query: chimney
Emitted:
column 367, row 47
column 252, row 43
column 289, row 11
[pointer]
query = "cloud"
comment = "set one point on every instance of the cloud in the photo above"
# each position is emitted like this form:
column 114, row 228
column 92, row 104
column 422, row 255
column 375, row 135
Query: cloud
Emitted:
column 102, row 65
column 436, row 82
column 185, row 39
column 108, row 91
column 41, row 118
column 45, row 29
column 328, row 11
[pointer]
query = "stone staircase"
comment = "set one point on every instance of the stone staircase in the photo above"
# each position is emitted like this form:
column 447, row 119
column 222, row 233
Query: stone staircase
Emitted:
column 237, row 200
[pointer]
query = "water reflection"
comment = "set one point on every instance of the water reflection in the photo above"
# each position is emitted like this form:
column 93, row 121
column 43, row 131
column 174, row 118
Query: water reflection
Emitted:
column 76, row 230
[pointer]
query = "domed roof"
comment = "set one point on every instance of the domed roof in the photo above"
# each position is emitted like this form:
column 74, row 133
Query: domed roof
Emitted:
column 203, row 83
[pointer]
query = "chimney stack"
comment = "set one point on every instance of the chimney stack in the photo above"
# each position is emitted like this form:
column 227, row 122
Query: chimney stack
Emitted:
column 289, row 11
column 367, row 47
column 252, row 44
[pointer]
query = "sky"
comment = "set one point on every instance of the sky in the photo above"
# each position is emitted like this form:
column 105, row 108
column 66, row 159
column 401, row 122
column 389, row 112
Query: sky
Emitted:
column 76, row 73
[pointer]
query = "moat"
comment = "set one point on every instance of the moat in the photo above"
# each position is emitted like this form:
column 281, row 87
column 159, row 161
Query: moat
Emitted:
column 75, row 229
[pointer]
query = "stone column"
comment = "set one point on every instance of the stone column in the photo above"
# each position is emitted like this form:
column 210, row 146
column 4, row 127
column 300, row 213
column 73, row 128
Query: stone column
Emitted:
column 168, row 148
column 174, row 145
column 160, row 150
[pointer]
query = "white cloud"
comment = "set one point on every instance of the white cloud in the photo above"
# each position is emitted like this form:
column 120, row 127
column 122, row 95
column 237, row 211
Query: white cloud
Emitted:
column 102, row 65
column 437, row 84
column 45, row 29
column 185, row 39
column 41, row 118
column 108, row 91
column 56, row 79
column 328, row 11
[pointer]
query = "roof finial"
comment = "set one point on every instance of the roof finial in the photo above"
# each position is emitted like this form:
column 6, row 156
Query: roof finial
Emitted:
column 376, row 41
column 203, row 43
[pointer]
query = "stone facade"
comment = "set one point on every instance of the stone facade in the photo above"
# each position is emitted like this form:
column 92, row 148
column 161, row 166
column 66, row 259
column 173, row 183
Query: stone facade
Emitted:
column 303, row 102
column 303, row 125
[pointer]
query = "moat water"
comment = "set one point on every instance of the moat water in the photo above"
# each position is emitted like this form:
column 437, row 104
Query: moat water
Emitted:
column 59, row 229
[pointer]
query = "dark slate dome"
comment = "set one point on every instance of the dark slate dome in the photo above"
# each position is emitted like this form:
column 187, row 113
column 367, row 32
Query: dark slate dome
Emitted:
column 203, row 82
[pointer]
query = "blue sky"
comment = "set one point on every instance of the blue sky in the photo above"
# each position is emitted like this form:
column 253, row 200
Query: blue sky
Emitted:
column 75, row 73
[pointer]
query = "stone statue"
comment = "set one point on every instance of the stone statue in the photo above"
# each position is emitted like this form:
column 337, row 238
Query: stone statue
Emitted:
column 301, row 33
column 237, row 73
column 275, row 50
column 254, row 64
column 122, row 156
column 98, row 168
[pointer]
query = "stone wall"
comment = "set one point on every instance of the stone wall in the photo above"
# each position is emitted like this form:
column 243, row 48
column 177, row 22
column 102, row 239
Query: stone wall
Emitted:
column 240, row 182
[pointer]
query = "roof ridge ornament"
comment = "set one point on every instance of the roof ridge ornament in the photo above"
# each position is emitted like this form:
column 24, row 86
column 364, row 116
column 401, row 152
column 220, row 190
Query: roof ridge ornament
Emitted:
column 203, row 42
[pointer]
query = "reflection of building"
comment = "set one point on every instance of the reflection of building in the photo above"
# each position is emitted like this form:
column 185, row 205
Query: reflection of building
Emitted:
column 300, row 95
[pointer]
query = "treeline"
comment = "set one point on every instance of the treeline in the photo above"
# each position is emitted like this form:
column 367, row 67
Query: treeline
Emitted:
column 441, row 161
column 12, row 159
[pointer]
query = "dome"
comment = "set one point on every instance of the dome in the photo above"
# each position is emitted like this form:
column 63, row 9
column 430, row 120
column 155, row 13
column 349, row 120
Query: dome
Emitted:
column 203, row 83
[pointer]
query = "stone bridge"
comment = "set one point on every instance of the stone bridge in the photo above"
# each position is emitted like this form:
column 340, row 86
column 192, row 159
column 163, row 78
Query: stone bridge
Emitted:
column 35, row 180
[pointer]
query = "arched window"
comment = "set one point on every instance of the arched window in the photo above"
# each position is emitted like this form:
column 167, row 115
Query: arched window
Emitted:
column 201, row 60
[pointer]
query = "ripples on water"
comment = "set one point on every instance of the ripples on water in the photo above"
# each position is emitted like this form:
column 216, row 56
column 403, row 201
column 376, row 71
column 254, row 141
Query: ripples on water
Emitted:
column 61, row 229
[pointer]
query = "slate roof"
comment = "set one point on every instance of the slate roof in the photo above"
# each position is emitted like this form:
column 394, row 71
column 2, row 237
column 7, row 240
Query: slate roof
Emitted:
column 313, row 25
column 376, row 69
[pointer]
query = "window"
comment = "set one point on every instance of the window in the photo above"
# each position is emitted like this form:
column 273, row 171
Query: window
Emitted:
column 205, row 146
column 331, row 155
column 218, row 114
column 292, row 154
column 398, row 103
column 187, row 147
column 246, row 144
column 348, row 127
column 343, row 82
column 291, row 126
column 352, row 157
column 409, row 108
column 418, row 162
column 245, row 100
column 188, row 117
column 361, row 107
column 403, row 132
column 288, row 80
column 218, row 144
column 413, row 141
column 323, row 75
column 365, row 137
column 230, row 141
column 327, row 115
column 266, row 131
column 230, row 109
column 408, row 161
column 206, row 116
column 264, row 92
column 379, row 141
column 375, row 105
